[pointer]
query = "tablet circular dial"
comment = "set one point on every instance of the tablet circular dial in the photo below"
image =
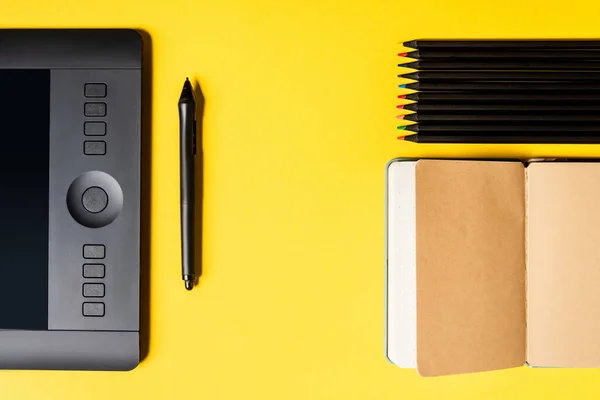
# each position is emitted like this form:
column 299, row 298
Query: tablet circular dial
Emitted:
column 95, row 199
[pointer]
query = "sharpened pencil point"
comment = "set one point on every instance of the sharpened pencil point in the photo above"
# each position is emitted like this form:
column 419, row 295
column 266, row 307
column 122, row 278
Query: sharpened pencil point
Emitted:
column 400, row 116
column 402, row 96
column 412, row 128
column 402, row 86
column 413, row 86
column 412, row 65
column 412, row 75
column 401, row 128
column 402, row 65
column 413, row 54
column 410, row 44
column 412, row 138
column 402, row 54
column 401, row 137
column 401, row 106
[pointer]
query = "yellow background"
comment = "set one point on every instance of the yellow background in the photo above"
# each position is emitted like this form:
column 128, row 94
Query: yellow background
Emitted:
column 299, row 126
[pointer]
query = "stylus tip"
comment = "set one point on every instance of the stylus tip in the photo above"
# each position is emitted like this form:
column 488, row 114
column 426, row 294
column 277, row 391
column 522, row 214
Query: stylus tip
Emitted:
column 189, row 285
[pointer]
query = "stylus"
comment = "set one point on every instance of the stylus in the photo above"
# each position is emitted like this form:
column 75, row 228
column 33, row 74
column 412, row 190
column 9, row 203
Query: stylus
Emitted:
column 187, row 125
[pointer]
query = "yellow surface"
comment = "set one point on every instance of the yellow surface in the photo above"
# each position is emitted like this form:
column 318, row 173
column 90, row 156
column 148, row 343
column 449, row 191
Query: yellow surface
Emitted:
column 299, row 126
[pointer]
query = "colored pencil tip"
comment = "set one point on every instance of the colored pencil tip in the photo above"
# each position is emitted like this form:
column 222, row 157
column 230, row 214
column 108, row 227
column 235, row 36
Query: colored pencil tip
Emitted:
column 411, row 44
column 411, row 65
column 401, row 106
column 401, row 128
column 402, row 86
column 401, row 137
column 402, row 54
column 402, row 96
column 400, row 116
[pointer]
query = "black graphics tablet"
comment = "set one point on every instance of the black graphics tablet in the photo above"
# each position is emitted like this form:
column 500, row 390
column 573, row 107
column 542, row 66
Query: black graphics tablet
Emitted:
column 70, row 123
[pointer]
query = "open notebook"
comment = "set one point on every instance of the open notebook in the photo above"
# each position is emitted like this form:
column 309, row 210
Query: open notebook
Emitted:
column 492, row 264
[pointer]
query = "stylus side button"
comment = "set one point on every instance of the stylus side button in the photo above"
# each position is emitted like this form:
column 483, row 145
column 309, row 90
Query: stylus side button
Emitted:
column 93, row 290
column 96, row 251
column 94, row 109
column 93, row 309
column 94, row 148
column 93, row 271
column 95, row 90
column 95, row 128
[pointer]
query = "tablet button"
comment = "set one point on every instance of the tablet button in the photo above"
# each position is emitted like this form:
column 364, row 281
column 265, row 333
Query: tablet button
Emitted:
column 94, row 199
column 93, row 309
column 94, row 148
column 93, row 271
column 95, row 90
column 93, row 290
column 94, row 109
column 94, row 251
column 94, row 128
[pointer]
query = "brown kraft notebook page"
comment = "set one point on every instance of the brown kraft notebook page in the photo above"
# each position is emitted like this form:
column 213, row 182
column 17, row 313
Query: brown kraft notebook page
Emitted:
column 563, row 265
column 470, row 266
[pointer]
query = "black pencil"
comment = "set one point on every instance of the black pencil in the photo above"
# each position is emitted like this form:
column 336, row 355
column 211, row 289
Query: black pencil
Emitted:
column 524, row 129
column 523, row 98
column 502, row 86
column 502, row 119
column 500, row 65
column 503, row 44
column 483, row 54
column 510, row 107
column 500, row 76
column 484, row 138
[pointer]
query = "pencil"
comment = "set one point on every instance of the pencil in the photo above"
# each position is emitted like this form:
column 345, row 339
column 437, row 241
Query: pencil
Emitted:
column 556, row 139
column 515, row 65
column 502, row 86
column 511, row 118
column 497, row 128
column 503, row 44
column 482, row 54
column 479, row 98
column 502, row 91
column 499, row 76
column 510, row 107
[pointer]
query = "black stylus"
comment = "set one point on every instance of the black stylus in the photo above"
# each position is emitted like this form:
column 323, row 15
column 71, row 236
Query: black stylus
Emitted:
column 187, row 132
